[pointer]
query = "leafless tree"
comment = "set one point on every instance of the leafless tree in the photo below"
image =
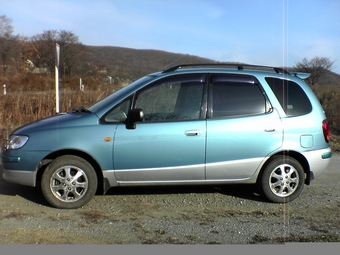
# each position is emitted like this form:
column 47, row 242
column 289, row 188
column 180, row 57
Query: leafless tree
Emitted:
column 44, row 57
column 7, row 43
column 317, row 67
column 70, row 50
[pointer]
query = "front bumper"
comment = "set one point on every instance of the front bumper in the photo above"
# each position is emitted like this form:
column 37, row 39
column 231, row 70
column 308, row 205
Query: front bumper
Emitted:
column 18, row 169
column 27, row 178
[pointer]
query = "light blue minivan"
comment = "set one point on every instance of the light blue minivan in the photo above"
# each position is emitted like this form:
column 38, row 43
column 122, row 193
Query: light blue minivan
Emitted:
column 188, row 125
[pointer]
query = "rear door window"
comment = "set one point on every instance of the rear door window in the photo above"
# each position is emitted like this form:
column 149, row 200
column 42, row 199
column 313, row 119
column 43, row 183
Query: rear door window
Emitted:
column 236, row 95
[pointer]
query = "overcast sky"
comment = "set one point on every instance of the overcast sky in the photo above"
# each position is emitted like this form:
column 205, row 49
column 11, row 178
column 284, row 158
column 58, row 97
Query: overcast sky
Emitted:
column 265, row 32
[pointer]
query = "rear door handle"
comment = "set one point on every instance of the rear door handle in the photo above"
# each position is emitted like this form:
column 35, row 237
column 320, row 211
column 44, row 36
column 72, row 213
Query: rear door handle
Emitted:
column 193, row 132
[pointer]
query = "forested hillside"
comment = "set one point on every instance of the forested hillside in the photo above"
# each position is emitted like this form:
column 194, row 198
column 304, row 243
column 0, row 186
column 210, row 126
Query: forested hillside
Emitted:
column 132, row 64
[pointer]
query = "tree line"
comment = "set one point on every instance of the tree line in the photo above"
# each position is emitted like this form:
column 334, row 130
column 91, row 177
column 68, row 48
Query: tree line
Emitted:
column 21, row 55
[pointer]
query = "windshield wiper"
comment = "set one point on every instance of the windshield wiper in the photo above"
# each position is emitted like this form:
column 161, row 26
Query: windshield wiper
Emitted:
column 82, row 110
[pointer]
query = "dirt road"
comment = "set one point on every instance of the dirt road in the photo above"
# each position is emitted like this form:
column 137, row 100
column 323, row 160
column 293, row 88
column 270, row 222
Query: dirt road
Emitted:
column 188, row 215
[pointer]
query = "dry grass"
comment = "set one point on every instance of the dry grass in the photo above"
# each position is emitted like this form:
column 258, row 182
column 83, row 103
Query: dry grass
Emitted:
column 16, row 215
column 17, row 109
column 329, row 97
column 94, row 216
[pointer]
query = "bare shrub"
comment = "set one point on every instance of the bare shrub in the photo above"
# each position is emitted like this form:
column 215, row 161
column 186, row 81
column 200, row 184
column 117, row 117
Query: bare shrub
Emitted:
column 20, row 108
column 329, row 97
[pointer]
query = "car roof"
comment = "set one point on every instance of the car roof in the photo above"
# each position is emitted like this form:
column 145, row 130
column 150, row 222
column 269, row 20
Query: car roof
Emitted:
column 232, row 68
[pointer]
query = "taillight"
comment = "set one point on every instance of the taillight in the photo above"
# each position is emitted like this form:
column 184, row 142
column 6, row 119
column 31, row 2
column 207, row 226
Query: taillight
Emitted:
column 326, row 131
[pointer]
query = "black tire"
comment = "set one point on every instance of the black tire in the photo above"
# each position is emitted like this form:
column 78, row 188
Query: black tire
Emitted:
column 69, row 182
column 283, row 179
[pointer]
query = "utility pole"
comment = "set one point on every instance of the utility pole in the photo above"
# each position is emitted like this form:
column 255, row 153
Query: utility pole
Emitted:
column 56, row 70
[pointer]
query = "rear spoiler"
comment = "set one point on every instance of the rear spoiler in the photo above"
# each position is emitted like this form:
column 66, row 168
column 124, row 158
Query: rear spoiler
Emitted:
column 302, row 76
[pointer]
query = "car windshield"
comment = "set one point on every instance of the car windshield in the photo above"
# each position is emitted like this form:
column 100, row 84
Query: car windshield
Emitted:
column 116, row 95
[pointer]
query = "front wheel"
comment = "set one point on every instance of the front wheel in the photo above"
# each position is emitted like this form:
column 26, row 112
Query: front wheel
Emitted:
column 282, row 179
column 69, row 182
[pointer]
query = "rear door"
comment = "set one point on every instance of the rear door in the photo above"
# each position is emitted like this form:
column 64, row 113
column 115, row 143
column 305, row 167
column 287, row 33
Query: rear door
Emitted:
column 242, row 127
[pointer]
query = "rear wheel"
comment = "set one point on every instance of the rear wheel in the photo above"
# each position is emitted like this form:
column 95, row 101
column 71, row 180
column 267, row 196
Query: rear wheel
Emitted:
column 283, row 179
column 69, row 182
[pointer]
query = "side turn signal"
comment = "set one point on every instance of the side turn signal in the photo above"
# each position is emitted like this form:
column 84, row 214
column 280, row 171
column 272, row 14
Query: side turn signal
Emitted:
column 107, row 139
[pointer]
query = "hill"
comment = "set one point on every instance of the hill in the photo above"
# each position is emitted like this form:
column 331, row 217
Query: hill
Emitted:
column 132, row 64
column 330, row 79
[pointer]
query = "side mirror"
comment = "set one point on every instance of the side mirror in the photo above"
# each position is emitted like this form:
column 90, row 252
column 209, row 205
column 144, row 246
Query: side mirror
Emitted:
column 134, row 116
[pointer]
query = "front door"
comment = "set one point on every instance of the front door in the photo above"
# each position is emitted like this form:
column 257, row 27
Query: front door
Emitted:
column 169, row 144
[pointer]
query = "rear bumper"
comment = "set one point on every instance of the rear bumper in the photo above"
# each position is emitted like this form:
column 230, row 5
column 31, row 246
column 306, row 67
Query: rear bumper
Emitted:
column 318, row 160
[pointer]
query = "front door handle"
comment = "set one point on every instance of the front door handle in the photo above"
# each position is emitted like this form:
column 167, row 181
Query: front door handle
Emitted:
column 193, row 132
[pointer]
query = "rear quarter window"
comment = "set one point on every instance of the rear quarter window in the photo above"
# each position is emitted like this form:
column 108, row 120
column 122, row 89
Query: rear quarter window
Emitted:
column 291, row 96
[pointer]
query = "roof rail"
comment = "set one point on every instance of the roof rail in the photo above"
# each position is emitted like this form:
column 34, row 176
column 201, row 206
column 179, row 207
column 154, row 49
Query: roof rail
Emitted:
column 238, row 66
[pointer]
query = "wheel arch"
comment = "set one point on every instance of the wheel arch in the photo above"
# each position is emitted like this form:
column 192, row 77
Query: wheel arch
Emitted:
column 49, row 158
column 293, row 154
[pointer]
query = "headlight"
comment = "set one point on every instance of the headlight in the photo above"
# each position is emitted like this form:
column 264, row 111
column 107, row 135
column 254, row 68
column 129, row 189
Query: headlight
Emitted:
column 16, row 142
